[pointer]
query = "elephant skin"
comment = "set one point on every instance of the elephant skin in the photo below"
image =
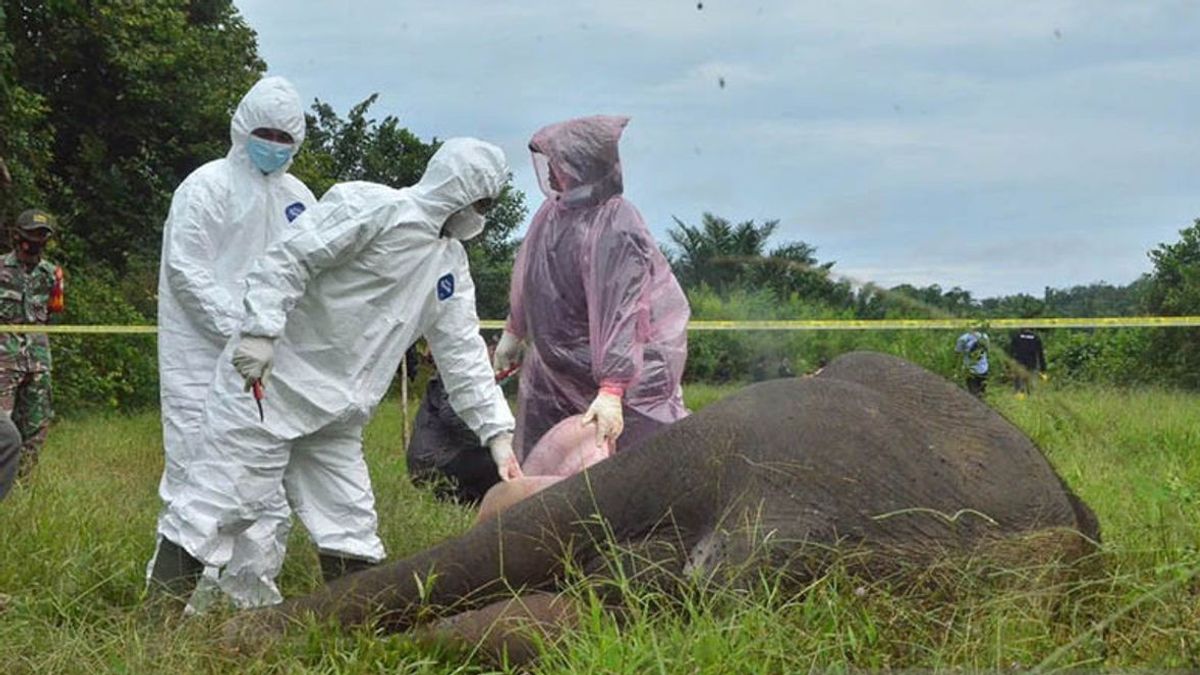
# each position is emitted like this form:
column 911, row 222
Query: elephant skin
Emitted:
column 873, row 455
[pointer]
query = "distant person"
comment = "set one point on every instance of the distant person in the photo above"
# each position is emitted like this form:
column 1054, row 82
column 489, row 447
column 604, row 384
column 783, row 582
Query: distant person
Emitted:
column 594, row 299
column 1027, row 351
column 758, row 372
column 785, row 368
column 973, row 345
column 31, row 289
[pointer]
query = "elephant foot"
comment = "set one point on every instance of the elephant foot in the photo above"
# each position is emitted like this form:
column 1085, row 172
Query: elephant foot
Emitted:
column 516, row 628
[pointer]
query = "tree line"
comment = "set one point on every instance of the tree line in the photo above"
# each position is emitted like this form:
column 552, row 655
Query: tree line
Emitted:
column 732, row 271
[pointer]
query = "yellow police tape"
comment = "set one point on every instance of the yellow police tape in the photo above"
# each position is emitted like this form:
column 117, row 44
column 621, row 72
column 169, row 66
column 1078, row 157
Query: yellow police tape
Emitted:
column 808, row 324
column 935, row 324
column 21, row 328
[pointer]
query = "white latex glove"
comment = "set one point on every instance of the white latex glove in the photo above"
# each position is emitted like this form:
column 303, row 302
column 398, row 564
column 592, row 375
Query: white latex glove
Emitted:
column 253, row 358
column 502, row 455
column 508, row 352
column 605, row 412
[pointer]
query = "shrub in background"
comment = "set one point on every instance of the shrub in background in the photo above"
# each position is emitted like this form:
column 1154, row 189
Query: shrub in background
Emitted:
column 804, row 350
column 102, row 372
column 1117, row 356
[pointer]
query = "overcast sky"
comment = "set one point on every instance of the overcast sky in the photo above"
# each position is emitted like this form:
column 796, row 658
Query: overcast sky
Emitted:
column 999, row 146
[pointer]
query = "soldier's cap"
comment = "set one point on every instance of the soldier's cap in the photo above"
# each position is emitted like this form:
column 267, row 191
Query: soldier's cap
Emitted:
column 36, row 223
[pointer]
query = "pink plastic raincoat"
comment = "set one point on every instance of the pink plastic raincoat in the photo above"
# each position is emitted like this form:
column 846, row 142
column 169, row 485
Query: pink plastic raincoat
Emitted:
column 592, row 295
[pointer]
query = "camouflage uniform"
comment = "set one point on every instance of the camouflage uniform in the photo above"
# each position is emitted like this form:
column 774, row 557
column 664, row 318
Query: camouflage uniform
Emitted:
column 25, row 357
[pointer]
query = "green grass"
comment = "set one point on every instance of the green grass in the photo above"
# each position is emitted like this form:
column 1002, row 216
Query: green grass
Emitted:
column 74, row 545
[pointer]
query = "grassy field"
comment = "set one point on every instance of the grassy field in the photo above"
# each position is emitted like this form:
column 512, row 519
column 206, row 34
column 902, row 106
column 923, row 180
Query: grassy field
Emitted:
column 74, row 546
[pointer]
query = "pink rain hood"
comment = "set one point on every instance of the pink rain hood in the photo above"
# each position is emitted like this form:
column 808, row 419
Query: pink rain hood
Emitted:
column 592, row 294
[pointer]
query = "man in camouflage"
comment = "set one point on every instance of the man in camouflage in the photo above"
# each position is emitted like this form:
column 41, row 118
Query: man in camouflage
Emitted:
column 30, row 290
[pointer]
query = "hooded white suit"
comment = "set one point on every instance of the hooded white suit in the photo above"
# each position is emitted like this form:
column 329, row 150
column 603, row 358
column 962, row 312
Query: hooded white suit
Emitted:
column 367, row 275
column 223, row 216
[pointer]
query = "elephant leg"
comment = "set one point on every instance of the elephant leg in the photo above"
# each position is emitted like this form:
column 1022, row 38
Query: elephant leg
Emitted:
column 514, row 627
column 654, row 564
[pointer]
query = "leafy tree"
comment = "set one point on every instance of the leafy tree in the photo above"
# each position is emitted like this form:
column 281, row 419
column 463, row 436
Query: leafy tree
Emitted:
column 359, row 148
column 24, row 140
column 105, row 106
column 138, row 94
column 1098, row 299
column 908, row 301
column 1020, row 305
column 793, row 270
column 1174, row 290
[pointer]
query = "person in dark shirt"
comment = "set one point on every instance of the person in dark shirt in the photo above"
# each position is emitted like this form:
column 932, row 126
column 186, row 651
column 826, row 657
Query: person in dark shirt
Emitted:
column 1026, row 350
column 445, row 454
column 758, row 372
column 785, row 368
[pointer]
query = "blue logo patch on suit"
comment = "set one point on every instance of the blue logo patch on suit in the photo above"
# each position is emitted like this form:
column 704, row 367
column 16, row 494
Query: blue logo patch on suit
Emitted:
column 293, row 211
column 445, row 287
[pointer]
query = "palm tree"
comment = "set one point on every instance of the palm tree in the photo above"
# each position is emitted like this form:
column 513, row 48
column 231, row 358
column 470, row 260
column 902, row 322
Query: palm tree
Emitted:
column 717, row 252
column 724, row 256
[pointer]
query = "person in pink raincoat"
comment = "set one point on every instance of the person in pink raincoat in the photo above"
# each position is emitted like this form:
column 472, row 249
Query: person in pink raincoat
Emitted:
column 595, row 311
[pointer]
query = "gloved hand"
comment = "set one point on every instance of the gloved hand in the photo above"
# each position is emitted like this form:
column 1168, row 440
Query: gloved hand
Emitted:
column 502, row 455
column 605, row 412
column 253, row 358
column 508, row 352
column 1044, row 376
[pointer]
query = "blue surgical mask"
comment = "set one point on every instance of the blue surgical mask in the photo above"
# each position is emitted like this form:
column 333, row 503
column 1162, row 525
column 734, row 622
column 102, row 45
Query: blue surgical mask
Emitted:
column 268, row 156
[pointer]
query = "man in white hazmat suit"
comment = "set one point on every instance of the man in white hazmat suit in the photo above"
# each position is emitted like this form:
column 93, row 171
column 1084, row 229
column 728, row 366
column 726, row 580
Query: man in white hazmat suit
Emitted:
column 223, row 216
column 330, row 312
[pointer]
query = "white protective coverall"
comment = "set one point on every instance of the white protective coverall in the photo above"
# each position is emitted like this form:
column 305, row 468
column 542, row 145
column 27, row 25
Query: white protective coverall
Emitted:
column 345, row 297
column 223, row 216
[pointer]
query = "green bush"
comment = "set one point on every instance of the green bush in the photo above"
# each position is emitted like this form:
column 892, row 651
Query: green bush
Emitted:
column 1174, row 290
column 102, row 372
column 1117, row 356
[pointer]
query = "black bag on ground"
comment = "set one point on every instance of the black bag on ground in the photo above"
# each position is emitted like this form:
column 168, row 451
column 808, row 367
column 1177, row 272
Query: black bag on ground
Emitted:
column 446, row 454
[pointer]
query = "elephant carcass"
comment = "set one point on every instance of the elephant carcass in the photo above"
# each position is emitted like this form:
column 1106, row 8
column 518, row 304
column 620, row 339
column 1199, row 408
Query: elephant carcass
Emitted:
column 873, row 455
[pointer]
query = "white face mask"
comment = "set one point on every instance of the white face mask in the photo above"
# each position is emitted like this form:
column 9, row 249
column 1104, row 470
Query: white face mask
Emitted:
column 464, row 224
